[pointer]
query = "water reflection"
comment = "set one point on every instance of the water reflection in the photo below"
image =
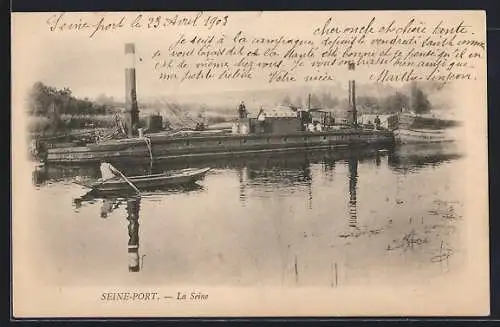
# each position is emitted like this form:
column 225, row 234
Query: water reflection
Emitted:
column 325, row 216
column 290, row 175
column 132, row 205
column 281, row 172
column 242, row 173
column 282, row 169
column 353, row 184
column 412, row 158
column 108, row 205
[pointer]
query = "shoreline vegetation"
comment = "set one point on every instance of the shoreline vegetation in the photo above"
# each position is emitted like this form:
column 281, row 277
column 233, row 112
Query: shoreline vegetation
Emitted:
column 56, row 113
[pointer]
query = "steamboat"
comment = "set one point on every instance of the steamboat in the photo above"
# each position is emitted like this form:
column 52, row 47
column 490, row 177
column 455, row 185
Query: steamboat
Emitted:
column 270, row 131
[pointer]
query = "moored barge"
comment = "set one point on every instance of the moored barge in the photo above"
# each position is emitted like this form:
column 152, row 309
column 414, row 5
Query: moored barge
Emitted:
column 267, row 132
column 159, row 147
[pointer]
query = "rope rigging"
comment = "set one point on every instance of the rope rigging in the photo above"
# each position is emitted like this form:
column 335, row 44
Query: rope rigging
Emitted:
column 118, row 131
column 148, row 144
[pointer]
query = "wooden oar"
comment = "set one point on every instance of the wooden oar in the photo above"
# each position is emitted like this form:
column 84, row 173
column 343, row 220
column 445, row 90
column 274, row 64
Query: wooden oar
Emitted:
column 92, row 186
column 127, row 180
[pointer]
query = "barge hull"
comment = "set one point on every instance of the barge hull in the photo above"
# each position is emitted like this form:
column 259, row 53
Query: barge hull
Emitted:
column 156, row 148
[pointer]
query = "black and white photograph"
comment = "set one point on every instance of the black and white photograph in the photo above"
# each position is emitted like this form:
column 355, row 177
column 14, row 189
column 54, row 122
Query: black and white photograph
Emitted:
column 195, row 164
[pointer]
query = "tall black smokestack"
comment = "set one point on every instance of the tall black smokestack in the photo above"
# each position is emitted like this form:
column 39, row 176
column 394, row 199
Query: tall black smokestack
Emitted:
column 353, row 116
column 131, row 107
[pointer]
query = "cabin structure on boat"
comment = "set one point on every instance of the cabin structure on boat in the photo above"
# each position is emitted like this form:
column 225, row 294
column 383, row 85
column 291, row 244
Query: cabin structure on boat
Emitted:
column 276, row 120
column 370, row 119
column 325, row 117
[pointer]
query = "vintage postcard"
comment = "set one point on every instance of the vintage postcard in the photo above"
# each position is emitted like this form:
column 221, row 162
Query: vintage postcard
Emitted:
column 224, row 164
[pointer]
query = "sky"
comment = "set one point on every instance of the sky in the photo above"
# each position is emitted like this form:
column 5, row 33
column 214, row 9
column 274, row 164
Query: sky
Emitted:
column 90, row 66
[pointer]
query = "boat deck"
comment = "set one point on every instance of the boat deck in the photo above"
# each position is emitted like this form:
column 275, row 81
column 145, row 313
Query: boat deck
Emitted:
column 166, row 147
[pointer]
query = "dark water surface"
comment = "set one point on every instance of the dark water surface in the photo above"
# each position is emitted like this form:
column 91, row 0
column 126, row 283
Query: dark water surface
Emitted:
column 315, row 219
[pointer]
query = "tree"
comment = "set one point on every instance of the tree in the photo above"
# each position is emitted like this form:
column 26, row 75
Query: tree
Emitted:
column 287, row 101
column 314, row 101
column 103, row 99
column 369, row 102
column 344, row 104
column 328, row 101
column 43, row 98
column 298, row 102
column 40, row 98
column 419, row 102
column 394, row 103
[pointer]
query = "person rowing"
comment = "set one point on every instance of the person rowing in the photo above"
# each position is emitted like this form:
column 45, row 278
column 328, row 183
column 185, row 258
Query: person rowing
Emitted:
column 108, row 171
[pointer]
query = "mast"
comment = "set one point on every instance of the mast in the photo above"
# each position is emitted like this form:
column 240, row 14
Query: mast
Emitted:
column 353, row 117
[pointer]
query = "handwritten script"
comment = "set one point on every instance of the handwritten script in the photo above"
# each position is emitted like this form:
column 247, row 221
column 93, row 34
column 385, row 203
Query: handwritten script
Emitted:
column 208, row 47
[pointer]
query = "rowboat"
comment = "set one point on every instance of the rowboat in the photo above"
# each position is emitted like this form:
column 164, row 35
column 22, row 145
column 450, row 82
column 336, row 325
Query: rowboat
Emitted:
column 143, row 182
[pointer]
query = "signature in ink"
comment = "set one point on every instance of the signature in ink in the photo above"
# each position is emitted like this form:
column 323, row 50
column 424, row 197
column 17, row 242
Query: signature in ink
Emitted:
column 444, row 253
column 408, row 241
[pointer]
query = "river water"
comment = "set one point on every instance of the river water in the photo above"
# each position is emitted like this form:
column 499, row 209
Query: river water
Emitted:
column 311, row 219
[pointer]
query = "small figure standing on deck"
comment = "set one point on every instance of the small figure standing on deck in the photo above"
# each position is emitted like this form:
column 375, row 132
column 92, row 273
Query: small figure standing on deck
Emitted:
column 261, row 115
column 108, row 171
column 310, row 127
column 377, row 122
column 317, row 126
column 242, row 110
